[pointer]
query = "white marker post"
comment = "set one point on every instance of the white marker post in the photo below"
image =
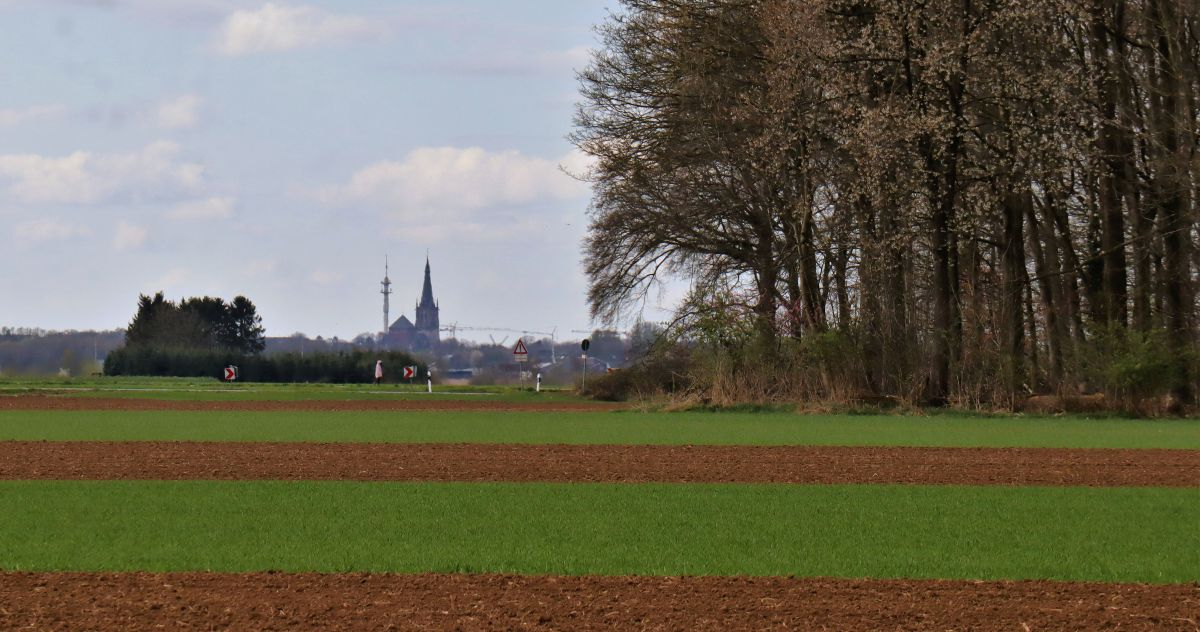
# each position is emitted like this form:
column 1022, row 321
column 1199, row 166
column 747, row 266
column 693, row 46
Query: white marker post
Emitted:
column 429, row 381
column 538, row 388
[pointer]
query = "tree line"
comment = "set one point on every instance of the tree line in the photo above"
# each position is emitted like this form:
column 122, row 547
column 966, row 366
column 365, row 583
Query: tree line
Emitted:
column 970, row 200
column 37, row 352
column 200, row 336
column 354, row 366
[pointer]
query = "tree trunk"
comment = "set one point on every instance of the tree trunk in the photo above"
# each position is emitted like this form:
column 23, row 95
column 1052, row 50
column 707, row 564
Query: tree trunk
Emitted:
column 943, row 299
column 1013, row 257
column 1049, row 281
column 1106, row 56
column 1171, row 185
column 813, row 309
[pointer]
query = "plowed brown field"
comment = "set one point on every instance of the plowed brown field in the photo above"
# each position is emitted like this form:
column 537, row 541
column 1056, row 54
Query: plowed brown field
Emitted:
column 683, row 464
column 273, row 601
column 137, row 601
column 418, row 403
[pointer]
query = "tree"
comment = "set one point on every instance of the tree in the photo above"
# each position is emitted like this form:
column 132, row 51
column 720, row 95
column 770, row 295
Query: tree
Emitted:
column 245, row 330
column 671, row 113
column 196, row 323
column 978, row 194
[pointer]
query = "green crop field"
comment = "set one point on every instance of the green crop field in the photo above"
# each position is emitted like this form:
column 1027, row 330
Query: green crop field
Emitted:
column 1117, row 535
column 184, row 389
column 599, row 428
column 878, row 531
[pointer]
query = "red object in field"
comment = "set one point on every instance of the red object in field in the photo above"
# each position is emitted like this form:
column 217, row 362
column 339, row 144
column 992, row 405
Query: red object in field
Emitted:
column 230, row 373
column 410, row 372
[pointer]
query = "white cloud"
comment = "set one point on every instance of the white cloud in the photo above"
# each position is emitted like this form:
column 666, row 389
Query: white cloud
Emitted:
column 435, row 180
column 180, row 113
column 212, row 208
column 84, row 178
column 48, row 230
column 435, row 192
column 129, row 236
column 275, row 28
column 10, row 117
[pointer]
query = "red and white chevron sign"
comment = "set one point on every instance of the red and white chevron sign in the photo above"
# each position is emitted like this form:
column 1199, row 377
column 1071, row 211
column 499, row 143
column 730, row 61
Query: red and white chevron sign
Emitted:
column 230, row 373
column 410, row 372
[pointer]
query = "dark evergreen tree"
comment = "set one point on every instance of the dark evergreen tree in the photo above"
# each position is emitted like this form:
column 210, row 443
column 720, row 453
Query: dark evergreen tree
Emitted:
column 197, row 323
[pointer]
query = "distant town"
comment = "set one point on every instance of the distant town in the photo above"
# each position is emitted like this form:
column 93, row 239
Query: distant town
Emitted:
column 557, row 356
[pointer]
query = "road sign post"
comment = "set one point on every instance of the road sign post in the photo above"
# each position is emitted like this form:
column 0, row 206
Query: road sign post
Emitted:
column 587, row 344
column 521, row 355
column 231, row 373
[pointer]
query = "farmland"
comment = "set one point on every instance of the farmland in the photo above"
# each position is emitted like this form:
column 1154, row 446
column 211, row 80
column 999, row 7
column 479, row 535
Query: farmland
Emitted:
column 415, row 424
column 398, row 509
column 879, row 531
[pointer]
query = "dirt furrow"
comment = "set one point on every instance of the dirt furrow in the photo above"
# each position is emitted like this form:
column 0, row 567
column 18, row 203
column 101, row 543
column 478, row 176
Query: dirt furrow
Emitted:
column 140, row 601
column 590, row 463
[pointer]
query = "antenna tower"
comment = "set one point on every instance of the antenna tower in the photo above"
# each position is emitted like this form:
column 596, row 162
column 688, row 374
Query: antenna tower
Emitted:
column 386, row 292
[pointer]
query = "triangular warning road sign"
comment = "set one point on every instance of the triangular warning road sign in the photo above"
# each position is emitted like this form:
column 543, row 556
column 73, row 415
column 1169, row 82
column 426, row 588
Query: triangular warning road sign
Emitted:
column 520, row 349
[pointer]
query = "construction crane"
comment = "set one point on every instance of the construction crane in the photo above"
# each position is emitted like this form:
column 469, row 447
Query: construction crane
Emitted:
column 622, row 332
column 454, row 328
column 603, row 331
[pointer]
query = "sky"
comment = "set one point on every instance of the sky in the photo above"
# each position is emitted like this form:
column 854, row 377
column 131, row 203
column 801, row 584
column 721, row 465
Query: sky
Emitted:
column 281, row 150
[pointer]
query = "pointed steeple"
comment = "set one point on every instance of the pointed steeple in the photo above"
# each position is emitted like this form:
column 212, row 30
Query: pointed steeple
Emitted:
column 427, row 290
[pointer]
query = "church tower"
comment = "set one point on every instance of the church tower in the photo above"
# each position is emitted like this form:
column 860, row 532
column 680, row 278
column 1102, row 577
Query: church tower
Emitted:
column 428, row 325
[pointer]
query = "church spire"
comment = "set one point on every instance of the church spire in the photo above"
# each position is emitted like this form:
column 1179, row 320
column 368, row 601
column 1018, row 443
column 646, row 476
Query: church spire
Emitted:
column 427, row 290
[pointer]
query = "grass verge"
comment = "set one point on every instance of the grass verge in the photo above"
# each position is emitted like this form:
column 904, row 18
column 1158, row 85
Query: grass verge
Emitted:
column 625, row 428
column 1109, row 535
column 187, row 389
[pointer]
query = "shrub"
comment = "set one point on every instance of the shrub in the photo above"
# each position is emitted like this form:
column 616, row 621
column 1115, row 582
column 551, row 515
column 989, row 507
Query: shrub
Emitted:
column 1135, row 369
column 655, row 375
column 343, row 367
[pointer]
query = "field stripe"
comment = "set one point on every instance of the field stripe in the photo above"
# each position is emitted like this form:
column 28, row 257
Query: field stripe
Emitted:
column 627, row 464
column 443, row 602
column 988, row 533
column 582, row 428
column 250, row 401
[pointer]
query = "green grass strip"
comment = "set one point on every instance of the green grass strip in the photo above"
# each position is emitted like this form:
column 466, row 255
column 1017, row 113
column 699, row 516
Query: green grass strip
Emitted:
column 987, row 533
column 212, row 390
column 598, row 428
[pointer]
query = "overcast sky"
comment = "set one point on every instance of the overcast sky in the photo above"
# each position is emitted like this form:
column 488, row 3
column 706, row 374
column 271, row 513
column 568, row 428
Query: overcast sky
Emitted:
column 280, row 150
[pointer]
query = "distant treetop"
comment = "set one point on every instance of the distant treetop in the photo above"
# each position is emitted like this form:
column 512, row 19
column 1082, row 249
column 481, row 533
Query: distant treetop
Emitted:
column 196, row 323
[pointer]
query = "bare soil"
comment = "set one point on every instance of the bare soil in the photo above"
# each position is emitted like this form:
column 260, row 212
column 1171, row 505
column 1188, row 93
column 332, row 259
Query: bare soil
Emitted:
column 417, row 403
column 587, row 463
column 141, row 601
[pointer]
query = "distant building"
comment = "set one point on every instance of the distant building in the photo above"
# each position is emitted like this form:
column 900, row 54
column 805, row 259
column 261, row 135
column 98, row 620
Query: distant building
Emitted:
column 423, row 335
